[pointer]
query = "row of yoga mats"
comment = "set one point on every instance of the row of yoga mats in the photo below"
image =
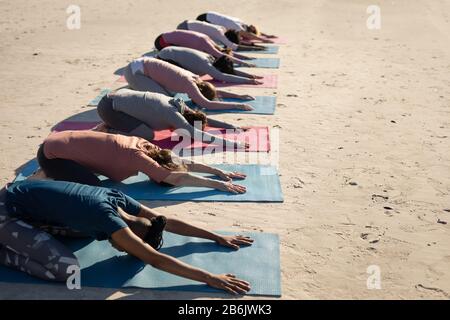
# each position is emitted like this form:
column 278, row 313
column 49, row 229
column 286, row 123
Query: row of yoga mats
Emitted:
column 105, row 267
column 262, row 183
column 259, row 264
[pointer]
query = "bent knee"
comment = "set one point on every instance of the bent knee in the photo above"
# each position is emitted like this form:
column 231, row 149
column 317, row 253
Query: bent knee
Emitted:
column 64, row 268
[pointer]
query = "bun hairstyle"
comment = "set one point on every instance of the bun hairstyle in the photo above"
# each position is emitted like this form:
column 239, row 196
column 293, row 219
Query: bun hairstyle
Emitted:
column 207, row 90
column 193, row 116
column 224, row 64
column 164, row 158
column 233, row 36
column 154, row 236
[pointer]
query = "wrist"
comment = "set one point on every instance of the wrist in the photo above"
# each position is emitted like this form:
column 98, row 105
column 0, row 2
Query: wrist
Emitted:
column 207, row 277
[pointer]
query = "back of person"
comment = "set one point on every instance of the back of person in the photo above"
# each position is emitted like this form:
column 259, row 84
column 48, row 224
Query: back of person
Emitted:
column 190, row 59
column 103, row 153
column 155, row 108
column 169, row 76
column 92, row 210
column 229, row 22
column 188, row 39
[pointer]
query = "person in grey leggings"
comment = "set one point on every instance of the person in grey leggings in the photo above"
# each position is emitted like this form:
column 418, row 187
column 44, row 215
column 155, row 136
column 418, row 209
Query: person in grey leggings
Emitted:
column 201, row 63
column 140, row 113
column 32, row 250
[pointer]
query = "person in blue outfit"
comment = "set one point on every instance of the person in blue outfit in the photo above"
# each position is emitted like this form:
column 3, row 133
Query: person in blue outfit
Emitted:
column 100, row 213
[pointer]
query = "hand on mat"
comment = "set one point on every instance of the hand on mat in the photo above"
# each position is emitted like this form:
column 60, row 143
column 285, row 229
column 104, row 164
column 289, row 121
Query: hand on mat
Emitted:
column 228, row 186
column 235, row 242
column 247, row 97
column 241, row 145
column 255, row 81
column 228, row 176
column 257, row 77
column 267, row 41
column 244, row 106
column 229, row 282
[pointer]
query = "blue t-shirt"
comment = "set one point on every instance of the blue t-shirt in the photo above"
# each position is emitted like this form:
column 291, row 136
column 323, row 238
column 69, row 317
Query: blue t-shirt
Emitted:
column 88, row 209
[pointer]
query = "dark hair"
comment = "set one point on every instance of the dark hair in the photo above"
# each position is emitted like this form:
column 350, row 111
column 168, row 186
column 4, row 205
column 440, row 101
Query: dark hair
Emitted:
column 233, row 36
column 164, row 158
column 195, row 115
column 227, row 51
column 207, row 90
column 202, row 17
column 157, row 42
column 252, row 29
column 154, row 236
column 224, row 64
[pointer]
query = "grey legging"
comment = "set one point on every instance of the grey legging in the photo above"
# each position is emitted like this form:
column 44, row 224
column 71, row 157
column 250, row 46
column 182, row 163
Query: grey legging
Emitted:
column 122, row 123
column 141, row 82
column 34, row 251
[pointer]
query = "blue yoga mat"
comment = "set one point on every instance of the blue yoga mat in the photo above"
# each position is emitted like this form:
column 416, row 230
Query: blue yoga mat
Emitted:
column 262, row 183
column 270, row 63
column 268, row 50
column 261, row 105
column 96, row 100
column 103, row 266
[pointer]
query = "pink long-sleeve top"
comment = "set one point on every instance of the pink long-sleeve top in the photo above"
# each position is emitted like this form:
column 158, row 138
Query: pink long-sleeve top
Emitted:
column 193, row 40
column 112, row 155
column 174, row 79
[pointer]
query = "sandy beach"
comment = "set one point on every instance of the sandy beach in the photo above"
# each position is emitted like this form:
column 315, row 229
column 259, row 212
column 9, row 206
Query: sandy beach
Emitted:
column 364, row 132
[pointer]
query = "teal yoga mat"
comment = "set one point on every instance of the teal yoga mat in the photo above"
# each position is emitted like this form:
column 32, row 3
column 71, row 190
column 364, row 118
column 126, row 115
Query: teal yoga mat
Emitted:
column 270, row 63
column 267, row 50
column 103, row 266
column 261, row 105
column 262, row 183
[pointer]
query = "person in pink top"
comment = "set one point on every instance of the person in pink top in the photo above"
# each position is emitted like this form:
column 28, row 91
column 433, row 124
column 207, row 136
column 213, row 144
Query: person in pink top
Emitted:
column 198, row 41
column 78, row 156
column 155, row 75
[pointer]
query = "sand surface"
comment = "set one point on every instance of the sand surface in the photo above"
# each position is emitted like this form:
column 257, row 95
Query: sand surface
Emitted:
column 362, row 114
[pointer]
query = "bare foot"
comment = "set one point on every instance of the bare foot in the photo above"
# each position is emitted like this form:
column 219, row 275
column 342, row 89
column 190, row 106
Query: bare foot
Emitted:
column 102, row 127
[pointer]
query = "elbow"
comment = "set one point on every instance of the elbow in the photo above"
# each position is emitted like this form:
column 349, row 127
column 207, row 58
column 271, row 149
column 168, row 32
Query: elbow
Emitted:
column 156, row 261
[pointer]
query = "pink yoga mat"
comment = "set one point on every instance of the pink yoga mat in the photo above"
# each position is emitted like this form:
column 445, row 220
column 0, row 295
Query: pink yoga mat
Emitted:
column 257, row 137
column 277, row 40
column 75, row 125
column 269, row 81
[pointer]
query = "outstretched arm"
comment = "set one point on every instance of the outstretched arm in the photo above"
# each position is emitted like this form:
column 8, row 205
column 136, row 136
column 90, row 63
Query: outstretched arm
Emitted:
column 180, row 179
column 196, row 96
column 133, row 245
column 221, row 124
column 226, row 77
column 226, row 94
column 252, row 36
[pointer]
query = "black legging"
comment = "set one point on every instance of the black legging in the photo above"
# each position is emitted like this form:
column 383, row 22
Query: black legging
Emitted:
column 66, row 170
column 202, row 17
